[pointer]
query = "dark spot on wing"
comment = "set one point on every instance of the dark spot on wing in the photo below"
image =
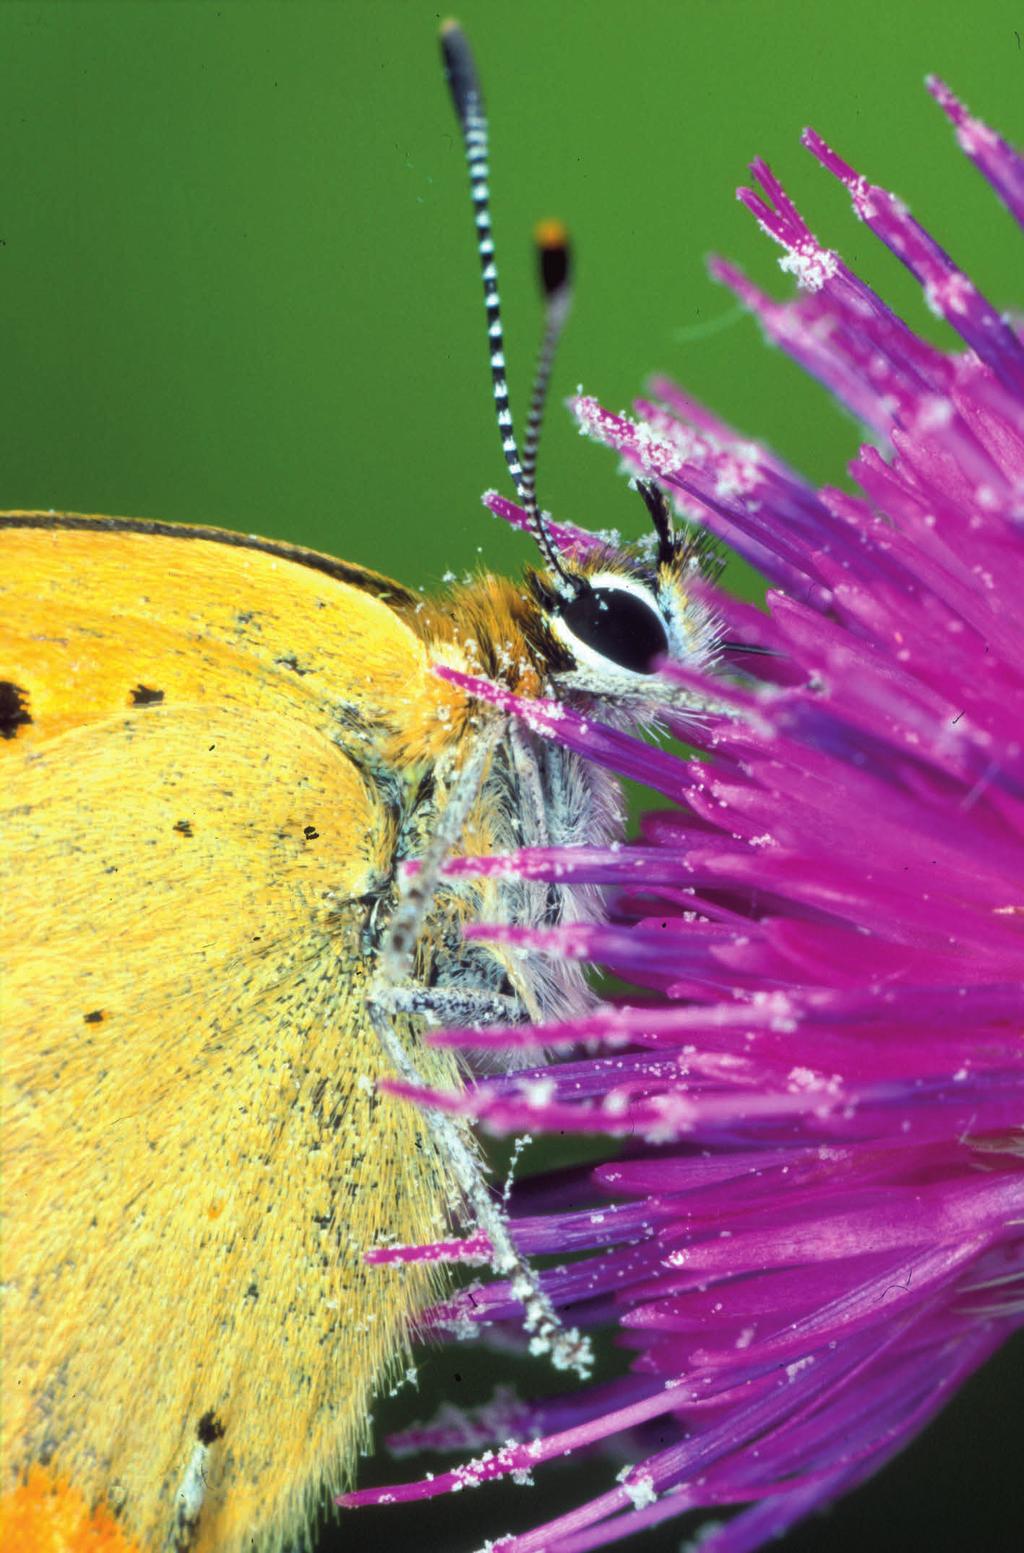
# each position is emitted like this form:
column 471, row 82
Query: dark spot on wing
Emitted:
column 184, row 827
column 252, row 1292
column 96, row 1017
column 145, row 695
column 14, row 713
column 209, row 1428
column 310, row 832
column 289, row 661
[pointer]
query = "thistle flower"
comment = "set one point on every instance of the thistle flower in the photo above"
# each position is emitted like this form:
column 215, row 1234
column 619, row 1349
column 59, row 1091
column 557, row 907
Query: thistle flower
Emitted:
column 814, row 1231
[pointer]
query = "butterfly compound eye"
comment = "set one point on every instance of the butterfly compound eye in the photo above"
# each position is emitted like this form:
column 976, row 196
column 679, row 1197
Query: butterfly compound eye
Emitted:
column 617, row 625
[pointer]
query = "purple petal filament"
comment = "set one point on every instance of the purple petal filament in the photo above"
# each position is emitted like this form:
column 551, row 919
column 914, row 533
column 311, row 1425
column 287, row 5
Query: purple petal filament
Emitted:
column 815, row 1232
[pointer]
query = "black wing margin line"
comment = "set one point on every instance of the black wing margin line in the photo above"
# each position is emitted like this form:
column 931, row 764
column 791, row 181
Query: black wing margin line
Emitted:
column 355, row 576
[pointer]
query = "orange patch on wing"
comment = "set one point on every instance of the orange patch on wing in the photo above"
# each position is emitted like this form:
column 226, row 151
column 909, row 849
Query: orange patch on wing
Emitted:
column 45, row 1514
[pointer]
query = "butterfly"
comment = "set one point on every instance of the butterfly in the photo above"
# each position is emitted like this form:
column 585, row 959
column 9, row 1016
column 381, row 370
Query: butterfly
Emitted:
column 219, row 754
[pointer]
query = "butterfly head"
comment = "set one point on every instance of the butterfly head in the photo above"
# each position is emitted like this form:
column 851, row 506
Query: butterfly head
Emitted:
column 612, row 620
column 600, row 624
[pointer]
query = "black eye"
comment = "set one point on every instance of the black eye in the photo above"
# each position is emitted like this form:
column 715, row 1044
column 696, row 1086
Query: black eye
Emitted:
column 618, row 625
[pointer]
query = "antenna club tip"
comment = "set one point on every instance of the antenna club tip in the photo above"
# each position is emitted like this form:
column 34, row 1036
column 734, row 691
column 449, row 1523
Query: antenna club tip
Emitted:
column 460, row 70
column 552, row 240
column 551, row 234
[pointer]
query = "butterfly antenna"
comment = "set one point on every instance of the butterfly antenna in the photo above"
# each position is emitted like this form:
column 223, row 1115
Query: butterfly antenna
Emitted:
column 553, row 254
column 467, row 97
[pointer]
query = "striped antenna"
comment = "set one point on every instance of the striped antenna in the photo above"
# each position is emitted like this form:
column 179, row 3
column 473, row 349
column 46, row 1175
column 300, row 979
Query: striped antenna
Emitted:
column 553, row 254
column 464, row 85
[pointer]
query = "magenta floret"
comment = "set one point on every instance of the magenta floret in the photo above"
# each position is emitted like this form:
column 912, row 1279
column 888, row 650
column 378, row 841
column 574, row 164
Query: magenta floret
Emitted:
column 816, row 1231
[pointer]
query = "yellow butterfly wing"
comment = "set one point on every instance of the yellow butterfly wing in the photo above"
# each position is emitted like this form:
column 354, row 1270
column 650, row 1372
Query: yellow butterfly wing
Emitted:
column 205, row 742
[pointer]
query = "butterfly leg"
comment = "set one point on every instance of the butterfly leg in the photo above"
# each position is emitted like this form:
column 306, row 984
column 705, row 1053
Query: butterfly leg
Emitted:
column 393, row 991
column 418, row 892
column 453, row 1006
column 533, row 807
column 568, row 1348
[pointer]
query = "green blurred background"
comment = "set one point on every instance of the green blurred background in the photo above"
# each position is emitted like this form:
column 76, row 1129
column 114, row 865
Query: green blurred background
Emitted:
column 239, row 286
